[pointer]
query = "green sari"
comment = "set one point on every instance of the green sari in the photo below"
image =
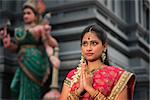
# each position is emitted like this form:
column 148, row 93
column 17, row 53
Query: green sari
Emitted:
column 33, row 59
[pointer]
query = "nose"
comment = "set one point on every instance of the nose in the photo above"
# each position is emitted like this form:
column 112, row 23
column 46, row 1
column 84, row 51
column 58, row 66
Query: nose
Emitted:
column 89, row 48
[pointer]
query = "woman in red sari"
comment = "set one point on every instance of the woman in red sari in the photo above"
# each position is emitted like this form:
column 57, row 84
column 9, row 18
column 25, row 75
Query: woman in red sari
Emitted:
column 94, row 79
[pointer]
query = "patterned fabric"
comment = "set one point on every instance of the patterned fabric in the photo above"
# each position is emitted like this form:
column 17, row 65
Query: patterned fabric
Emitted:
column 35, row 60
column 104, row 80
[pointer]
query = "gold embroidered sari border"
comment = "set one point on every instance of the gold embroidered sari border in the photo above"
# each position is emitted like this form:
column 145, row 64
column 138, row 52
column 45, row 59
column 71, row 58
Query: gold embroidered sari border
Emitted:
column 67, row 81
column 120, row 85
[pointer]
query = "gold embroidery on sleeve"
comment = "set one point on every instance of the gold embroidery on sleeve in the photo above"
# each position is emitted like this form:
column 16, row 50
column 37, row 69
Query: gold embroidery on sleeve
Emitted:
column 67, row 81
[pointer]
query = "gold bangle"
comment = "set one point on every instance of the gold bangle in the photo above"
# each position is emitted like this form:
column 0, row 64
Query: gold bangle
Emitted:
column 72, row 96
column 100, row 96
column 95, row 94
column 56, row 49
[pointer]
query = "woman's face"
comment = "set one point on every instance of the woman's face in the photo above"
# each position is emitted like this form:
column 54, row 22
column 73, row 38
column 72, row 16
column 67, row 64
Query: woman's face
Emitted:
column 28, row 16
column 92, row 47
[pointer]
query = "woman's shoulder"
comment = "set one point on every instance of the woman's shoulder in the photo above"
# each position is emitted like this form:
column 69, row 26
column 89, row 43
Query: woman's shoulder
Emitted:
column 69, row 79
column 71, row 73
column 118, row 70
column 121, row 78
column 113, row 69
column 119, row 73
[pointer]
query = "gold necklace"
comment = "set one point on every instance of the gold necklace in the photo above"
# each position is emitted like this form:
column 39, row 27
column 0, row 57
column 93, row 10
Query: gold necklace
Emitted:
column 91, row 73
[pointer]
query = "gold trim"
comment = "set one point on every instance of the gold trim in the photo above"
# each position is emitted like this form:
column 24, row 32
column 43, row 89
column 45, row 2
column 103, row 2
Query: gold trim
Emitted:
column 67, row 81
column 72, row 96
column 100, row 96
column 24, row 47
column 29, row 74
column 120, row 85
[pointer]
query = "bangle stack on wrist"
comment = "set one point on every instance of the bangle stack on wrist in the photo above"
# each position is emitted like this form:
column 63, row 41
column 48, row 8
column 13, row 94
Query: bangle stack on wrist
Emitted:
column 99, row 96
column 74, row 96
column 93, row 95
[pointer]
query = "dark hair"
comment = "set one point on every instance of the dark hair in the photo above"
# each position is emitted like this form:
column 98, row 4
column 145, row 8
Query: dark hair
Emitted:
column 34, row 11
column 100, row 33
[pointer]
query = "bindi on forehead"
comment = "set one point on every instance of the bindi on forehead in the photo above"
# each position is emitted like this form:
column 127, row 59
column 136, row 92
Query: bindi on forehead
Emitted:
column 89, row 36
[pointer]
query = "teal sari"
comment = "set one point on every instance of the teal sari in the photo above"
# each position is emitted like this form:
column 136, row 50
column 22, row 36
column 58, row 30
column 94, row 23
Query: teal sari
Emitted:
column 35, row 60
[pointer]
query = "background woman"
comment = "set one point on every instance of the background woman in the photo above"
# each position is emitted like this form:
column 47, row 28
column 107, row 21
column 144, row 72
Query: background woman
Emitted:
column 94, row 79
column 34, row 65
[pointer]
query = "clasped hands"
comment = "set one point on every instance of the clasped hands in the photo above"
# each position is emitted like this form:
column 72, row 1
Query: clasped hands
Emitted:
column 86, row 81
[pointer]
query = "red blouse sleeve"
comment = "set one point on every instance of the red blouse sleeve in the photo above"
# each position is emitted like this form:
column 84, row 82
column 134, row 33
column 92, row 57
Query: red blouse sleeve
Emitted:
column 71, row 73
column 68, row 79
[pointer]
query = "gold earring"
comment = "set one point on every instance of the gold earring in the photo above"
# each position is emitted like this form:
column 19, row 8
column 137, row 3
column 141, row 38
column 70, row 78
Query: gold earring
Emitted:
column 103, row 56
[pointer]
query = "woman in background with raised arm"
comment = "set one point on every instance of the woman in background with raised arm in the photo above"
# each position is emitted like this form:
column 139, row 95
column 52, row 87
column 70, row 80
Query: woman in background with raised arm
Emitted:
column 94, row 79
column 34, row 62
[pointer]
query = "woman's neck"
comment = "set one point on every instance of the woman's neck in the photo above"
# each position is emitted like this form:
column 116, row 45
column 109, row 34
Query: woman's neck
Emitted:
column 27, row 26
column 94, row 65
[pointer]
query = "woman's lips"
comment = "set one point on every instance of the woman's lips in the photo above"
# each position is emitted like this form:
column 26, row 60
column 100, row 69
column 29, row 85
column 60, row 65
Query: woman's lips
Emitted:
column 89, row 54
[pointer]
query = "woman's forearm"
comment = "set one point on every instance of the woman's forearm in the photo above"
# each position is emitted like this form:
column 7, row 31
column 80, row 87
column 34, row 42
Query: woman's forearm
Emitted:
column 52, row 41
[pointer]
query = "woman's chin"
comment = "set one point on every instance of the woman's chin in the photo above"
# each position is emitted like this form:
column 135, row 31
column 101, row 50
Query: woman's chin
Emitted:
column 27, row 22
column 90, row 59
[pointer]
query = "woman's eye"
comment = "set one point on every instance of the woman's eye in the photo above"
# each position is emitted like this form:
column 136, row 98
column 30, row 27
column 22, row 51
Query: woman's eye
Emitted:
column 28, row 13
column 84, row 44
column 94, row 43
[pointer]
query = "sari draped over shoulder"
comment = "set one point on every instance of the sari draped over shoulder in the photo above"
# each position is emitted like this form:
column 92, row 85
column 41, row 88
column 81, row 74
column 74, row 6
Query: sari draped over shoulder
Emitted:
column 109, row 81
column 33, row 59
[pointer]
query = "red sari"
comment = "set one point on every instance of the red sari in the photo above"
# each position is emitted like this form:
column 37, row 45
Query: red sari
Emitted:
column 110, row 81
